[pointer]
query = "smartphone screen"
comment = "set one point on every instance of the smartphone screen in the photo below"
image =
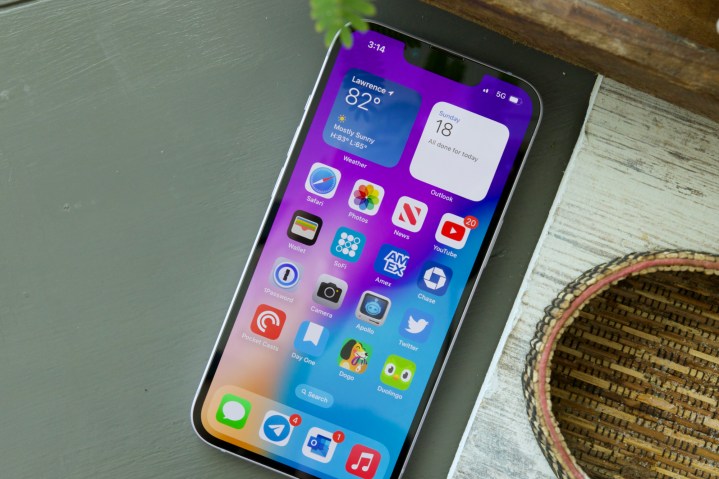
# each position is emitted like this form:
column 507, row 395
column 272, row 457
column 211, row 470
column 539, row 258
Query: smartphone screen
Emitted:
column 379, row 226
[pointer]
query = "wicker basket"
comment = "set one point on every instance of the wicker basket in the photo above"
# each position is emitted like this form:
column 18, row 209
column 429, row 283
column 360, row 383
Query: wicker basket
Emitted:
column 622, row 378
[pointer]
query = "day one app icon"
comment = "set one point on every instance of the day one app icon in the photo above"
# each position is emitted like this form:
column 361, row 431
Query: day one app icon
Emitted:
column 398, row 372
column 409, row 214
column 276, row 428
column 363, row 461
column 233, row 411
column 451, row 231
column 373, row 308
column 268, row 321
column 391, row 261
column 319, row 445
column 416, row 325
column 304, row 227
column 311, row 338
column 348, row 244
column 366, row 197
column 354, row 356
column 330, row 291
column 285, row 273
column 323, row 180
column 434, row 278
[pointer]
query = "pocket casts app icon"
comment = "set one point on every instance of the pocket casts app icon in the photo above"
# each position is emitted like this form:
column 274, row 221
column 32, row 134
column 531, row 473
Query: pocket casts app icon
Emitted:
column 268, row 321
column 452, row 232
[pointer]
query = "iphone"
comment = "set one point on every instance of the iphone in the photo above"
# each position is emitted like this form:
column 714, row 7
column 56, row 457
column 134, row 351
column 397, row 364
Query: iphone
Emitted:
column 380, row 223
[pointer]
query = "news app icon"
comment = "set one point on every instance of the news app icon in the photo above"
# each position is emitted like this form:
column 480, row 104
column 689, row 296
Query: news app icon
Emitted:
column 268, row 321
column 363, row 461
column 451, row 231
column 409, row 214
column 304, row 227
column 319, row 445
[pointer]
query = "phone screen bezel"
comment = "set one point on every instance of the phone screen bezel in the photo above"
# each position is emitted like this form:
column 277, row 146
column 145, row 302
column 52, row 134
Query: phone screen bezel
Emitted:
column 271, row 213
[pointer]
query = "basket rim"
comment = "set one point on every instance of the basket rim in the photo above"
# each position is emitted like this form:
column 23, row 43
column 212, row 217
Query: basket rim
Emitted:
column 561, row 314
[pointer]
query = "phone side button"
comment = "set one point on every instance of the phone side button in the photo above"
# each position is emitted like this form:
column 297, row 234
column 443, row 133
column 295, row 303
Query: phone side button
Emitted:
column 277, row 183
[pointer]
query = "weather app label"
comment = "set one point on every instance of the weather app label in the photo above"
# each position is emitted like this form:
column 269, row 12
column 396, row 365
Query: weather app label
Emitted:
column 372, row 117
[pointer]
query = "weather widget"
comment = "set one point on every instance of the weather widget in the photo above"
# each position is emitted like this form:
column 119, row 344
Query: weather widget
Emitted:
column 371, row 117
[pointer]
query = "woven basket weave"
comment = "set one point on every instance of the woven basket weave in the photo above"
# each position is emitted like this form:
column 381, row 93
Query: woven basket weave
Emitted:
column 622, row 378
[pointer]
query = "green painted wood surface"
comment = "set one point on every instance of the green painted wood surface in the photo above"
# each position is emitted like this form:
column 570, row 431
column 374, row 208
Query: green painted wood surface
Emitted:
column 139, row 142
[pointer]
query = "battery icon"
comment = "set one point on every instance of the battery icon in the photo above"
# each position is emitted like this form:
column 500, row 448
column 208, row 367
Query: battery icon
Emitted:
column 515, row 100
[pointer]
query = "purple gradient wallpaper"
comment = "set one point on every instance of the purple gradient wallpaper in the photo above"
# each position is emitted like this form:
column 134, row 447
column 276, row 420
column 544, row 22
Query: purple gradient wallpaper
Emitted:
column 365, row 262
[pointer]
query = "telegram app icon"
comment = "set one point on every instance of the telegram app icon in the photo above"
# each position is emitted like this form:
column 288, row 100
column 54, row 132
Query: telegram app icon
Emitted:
column 276, row 428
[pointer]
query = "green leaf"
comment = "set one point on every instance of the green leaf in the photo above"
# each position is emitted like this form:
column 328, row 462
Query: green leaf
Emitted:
column 331, row 16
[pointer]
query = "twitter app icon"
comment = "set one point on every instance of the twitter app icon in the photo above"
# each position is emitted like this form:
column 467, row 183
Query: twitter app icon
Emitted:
column 416, row 325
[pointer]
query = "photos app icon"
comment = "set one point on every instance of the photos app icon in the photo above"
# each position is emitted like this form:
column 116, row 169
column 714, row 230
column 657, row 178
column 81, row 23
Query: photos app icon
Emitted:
column 366, row 197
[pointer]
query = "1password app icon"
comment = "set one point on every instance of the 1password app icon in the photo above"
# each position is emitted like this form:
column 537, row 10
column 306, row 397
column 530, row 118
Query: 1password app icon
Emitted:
column 233, row 411
column 276, row 428
column 311, row 338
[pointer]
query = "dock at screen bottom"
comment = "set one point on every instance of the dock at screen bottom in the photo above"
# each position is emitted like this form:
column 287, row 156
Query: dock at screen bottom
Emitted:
column 293, row 437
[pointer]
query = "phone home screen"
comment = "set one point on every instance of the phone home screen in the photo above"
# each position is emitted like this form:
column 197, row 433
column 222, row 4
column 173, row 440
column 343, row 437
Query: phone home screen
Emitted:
column 369, row 253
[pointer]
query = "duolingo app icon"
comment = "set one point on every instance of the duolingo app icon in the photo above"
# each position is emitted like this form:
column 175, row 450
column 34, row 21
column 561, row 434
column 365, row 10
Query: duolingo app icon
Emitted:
column 233, row 411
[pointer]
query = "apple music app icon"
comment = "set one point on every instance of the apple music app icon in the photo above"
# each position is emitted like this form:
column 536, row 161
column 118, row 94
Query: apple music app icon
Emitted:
column 451, row 231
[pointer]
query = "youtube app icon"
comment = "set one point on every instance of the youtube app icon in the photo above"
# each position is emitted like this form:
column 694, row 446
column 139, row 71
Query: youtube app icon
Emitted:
column 451, row 231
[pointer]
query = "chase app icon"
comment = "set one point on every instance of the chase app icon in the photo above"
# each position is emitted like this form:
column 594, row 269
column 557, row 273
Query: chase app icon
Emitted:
column 434, row 278
column 276, row 428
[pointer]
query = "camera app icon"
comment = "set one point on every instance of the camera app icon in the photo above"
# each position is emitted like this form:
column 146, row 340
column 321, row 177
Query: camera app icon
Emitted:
column 330, row 291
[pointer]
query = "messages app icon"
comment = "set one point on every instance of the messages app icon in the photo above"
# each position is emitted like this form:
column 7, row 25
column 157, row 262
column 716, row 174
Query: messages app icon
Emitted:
column 311, row 338
column 233, row 411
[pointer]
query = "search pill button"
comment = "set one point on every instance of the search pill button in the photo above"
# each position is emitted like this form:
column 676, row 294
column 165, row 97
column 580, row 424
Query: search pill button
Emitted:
column 314, row 396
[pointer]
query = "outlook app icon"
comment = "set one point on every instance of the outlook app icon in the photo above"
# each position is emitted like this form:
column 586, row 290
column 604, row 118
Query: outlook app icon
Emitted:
column 311, row 338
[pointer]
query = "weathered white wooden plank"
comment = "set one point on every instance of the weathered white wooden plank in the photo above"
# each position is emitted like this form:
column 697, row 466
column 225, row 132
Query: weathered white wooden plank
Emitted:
column 645, row 176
